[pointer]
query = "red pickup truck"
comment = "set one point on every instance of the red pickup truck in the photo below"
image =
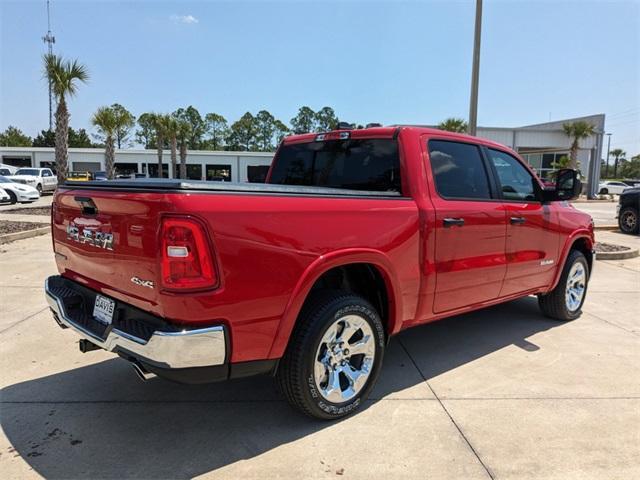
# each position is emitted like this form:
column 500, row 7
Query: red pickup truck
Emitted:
column 355, row 236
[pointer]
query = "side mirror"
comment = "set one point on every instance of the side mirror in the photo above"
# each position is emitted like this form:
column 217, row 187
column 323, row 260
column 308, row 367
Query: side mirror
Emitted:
column 567, row 186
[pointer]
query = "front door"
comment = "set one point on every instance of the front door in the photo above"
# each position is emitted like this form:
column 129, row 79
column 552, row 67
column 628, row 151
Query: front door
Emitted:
column 470, row 226
column 533, row 240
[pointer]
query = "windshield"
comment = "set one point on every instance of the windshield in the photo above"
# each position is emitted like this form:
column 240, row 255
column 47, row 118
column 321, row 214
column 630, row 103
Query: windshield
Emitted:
column 369, row 164
column 28, row 171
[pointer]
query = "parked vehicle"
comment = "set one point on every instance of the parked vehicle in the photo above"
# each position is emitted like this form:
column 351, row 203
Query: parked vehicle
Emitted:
column 628, row 211
column 79, row 176
column 100, row 176
column 18, row 192
column 42, row 179
column 357, row 235
column 4, row 196
column 612, row 187
column 6, row 171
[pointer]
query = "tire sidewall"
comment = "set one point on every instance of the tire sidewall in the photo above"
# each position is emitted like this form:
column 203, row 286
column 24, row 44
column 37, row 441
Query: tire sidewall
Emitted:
column 13, row 198
column 320, row 406
column 576, row 257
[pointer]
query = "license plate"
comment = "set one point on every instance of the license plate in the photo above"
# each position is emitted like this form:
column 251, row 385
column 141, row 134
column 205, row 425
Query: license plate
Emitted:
column 103, row 309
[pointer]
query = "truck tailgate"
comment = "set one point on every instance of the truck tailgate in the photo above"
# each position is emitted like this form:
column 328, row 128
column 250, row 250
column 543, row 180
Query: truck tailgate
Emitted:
column 109, row 240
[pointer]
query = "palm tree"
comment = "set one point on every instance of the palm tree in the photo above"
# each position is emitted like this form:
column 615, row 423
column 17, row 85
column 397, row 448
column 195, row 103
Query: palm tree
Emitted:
column 158, row 121
column 64, row 77
column 171, row 131
column 452, row 124
column 577, row 131
column 617, row 153
column 106, row 121
column 184, row 133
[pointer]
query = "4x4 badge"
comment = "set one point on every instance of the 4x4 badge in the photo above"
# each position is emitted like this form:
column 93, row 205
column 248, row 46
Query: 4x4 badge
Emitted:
column 142, row 283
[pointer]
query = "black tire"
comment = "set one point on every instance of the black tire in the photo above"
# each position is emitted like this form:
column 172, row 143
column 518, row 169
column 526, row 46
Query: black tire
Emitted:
column 628, row 220
column 13, row 199
column 295, row 375
column 554, row 304
column 39, row 188
column 604, row 191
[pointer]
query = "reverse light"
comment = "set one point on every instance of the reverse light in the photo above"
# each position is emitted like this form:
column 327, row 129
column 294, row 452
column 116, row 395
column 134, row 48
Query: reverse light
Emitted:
column 187, row 259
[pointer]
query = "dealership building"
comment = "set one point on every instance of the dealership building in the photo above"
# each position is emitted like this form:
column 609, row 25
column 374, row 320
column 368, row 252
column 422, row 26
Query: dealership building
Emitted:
column 541, row 145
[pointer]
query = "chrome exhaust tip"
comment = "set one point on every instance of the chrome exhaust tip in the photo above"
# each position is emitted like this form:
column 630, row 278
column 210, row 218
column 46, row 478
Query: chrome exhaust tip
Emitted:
column 142, row 373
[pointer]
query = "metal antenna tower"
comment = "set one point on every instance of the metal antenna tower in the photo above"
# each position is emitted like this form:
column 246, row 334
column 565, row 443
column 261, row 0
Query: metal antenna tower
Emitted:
column 49, row 39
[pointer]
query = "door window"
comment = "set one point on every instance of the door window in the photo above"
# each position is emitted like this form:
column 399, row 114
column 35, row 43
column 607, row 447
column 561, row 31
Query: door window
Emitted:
column 458, row 170
column 516, row 182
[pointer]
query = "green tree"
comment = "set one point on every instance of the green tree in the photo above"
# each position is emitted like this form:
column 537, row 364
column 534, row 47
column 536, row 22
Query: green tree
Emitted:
column 80, row 139
column 160, row 127
column 13, row 137
column 577, row 131
column 281, row 131
column 265, row 130
column 242, row 134
column 106, row 121
column 184, row 134
column 218, row 130
column 562, row 162
column 618, row 154
column 126, row 121
column 146, row 134
column 196, row 122
column 64, row 77
column 631, row 168
column 326, row 120
column 458, row 125
column 46, row 138
column 304, row 121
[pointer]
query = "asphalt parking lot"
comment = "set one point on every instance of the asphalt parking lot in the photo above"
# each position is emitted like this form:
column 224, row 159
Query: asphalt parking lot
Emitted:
column 500, row 393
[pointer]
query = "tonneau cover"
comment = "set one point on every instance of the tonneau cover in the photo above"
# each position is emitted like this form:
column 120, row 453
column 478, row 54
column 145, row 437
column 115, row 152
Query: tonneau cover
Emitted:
column 201, row 185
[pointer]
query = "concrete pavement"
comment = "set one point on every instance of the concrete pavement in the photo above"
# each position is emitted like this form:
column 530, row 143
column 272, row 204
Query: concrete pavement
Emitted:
column 602, row 212
column 500, row 393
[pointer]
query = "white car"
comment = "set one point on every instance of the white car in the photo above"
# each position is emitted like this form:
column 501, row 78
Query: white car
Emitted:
column 18, row 192
column 4, row 196
column 42, row 179
column 612, row 187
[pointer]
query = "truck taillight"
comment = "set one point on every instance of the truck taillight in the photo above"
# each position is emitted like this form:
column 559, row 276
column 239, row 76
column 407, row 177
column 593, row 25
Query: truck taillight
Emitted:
column 187, row 257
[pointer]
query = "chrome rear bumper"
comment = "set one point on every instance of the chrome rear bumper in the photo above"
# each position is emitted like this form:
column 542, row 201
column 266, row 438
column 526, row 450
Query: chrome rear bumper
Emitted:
column 203, row 347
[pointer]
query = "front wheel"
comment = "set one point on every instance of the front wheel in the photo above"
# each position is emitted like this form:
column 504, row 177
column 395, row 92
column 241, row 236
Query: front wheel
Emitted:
column 628, row 220
column 334, row 356
column 12, row 197
column 604, row 191
column 565, row 301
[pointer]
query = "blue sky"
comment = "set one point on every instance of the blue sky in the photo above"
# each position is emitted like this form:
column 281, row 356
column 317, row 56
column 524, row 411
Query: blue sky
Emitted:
column 388, row 62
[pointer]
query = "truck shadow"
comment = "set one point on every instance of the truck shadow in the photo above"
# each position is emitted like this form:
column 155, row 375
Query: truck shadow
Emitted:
column 100, row 421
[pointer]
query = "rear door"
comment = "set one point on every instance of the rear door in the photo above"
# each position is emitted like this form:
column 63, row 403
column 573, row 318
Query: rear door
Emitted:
column 533, row 236
column 470, row 226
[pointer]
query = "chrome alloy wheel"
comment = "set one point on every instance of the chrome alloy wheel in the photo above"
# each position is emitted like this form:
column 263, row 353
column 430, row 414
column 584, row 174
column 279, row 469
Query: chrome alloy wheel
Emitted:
column 344, row 359
column 629, row 220
column 576, row 283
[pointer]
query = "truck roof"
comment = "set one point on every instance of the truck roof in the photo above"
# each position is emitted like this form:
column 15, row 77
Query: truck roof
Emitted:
column 390, row 132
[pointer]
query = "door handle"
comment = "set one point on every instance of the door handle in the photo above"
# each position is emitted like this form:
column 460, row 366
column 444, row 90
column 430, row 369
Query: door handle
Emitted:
column 517, row 220
column 453, row 222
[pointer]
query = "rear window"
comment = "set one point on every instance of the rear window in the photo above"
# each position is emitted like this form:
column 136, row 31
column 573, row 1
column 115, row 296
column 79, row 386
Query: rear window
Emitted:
column 369, row 164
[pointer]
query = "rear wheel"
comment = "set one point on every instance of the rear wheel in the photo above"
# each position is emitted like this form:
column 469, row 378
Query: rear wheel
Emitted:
column 39, row 188
column 604, row 191
column 628, row 220
column 565, row 301
column 334, row 356
column 12, row 197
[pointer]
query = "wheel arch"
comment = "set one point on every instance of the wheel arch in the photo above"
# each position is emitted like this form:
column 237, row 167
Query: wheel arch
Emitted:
column 582, row 241
column 326, row 265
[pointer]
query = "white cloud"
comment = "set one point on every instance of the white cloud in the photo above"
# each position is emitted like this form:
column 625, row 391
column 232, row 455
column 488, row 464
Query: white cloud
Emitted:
column 187, row 19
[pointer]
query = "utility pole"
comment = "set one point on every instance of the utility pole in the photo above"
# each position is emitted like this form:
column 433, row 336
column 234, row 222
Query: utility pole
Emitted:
column 49, row 39
column 475, row 71
column 606, row 168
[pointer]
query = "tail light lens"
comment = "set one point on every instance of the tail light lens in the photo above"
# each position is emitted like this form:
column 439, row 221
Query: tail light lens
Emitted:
column 187, row 258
